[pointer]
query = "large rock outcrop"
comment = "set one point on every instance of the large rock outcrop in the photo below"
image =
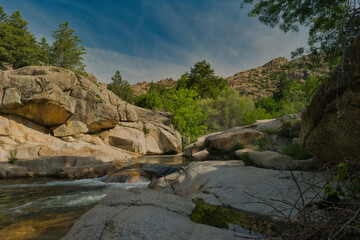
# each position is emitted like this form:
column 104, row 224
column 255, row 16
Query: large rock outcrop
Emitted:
column 55, row 122
column 330, row 126
column 144, row 214
column 271, row 193
column 67, row 105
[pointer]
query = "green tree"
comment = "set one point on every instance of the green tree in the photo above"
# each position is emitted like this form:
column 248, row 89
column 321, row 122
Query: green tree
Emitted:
column 203, row 80
column 282, row 85
column 2, row 14
column 65, row 51
column 153, row 99
column 269, row 104
column 188, row 116
column 333, row 24
column 226, row 111
column 17, row 45
column 45, row 55
column 121, row 88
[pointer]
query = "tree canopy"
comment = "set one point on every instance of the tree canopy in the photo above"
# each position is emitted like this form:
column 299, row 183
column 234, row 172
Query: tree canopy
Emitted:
column 333, row 24
column 203, row 80
column 17, row 45
column 121, row 88
column 65, row 51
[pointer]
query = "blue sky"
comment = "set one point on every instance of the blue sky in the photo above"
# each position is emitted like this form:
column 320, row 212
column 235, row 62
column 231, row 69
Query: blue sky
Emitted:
column 152, row 40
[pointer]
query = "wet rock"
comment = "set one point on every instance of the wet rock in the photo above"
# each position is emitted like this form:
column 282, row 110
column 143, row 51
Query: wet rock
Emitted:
column 131, row 175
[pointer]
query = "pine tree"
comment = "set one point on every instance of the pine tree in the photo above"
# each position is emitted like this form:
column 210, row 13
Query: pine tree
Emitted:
column 17, row 45
column 121, row 88
column 45, row 51
column 65, row 51
column 203, row 80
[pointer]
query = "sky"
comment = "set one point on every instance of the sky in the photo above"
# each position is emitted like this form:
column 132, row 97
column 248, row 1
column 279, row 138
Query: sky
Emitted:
column 148, row 40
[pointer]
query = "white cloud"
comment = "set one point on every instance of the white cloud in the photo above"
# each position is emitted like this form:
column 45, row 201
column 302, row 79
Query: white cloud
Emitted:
column 162, row 39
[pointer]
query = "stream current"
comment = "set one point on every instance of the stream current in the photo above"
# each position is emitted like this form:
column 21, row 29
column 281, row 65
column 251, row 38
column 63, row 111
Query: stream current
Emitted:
column 46, row 208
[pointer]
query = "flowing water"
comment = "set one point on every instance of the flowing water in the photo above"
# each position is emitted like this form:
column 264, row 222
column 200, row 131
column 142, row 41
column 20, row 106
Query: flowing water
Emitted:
column 45, row 208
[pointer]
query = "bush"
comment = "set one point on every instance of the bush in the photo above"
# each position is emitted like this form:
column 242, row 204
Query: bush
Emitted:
column 256, row 114
column 295, row 151
column 226, row 111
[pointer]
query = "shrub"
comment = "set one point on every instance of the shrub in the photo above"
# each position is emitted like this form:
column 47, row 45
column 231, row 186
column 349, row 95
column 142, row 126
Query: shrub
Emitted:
column 12, row 156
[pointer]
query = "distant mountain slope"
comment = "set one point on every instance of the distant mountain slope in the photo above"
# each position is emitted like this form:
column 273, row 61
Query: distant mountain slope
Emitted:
column 143, row 87
column 257, row 82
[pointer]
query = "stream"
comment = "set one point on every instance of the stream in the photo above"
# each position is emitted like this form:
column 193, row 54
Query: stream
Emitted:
column 46, row 208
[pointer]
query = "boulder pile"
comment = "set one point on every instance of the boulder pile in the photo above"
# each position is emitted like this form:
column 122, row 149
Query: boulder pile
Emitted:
column 72, row 123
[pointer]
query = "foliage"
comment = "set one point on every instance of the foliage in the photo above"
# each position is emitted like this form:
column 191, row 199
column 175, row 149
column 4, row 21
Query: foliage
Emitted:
column 188, row 117
column 17, row 45
column 296, row 151
column 121, row 88
column 146, row 130
column 65, row 51
column 290, row 128
column 221, row 217
column 281, row 86
column 333, row 25
column 269, row 104
column 226, row 111
column 203, row 80
column 45, row 56
column 337, row 215
column 346, row 182
column 256, row 114
column 291, row 97
column 12, row 156
column 153, row 99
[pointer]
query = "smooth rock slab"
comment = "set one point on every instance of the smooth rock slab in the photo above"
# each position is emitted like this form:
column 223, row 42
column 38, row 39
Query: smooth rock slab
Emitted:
column 143, row 214
column 271, row 193
column 275, row 160
column 70, row 128
column 234, row 137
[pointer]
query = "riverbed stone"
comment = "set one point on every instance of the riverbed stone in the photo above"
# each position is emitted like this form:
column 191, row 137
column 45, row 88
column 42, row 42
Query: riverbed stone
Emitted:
column 237, row 137
column 143, row 214
column 131, row 175
column 200, row 156
column 275, row 160
column 8, row 170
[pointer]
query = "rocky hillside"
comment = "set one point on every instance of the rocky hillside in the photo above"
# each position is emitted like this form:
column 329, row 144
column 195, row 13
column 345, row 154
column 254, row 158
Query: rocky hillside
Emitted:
column 258, row 82
column 54, row 122
column 143, row 87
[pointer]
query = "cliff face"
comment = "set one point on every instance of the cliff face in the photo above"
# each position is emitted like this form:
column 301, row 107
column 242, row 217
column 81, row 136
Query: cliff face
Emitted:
column 258, row 82
column 330, row 126
column 53, row 113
